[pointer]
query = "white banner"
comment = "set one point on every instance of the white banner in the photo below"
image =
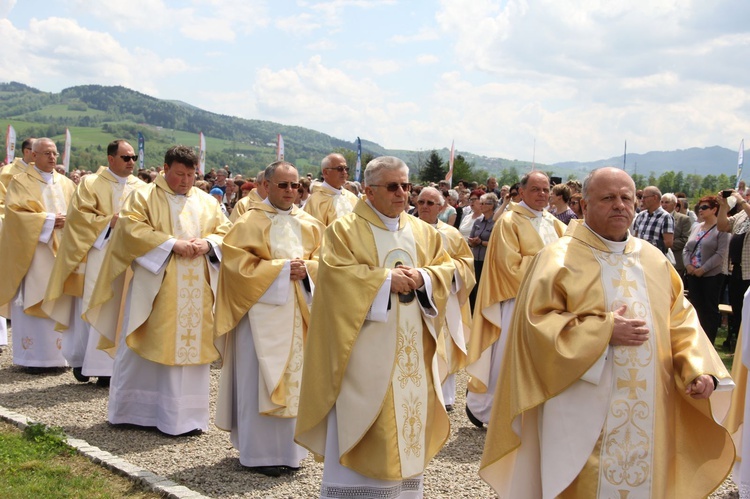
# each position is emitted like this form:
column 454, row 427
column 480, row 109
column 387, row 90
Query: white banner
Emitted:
column 66, row 154
column 10, row 144
column 202, row 160
column 449, row 176
column 279, row 148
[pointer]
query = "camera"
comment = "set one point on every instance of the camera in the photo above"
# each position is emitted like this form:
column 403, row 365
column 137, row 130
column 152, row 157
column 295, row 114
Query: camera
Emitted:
column 726, row 193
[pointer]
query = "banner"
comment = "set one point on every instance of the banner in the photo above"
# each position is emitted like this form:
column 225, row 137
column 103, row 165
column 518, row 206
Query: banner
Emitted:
column 66, row 154
column 449, row 176
column 10, row 144
column 740, row 160
column 202, row 160
column 141, row 151
column 279, row 148
column 358, row 170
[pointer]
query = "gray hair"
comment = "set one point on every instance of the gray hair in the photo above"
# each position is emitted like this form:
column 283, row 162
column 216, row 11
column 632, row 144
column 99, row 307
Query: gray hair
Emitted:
column 669, row 197
column 326, row 163
column 490, row 196
column 441, row 199
column 382, row 164
column 271, row 169
column 38, row 143
column 453, row 194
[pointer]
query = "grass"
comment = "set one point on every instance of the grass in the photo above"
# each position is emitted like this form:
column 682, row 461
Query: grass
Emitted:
column 38, row 463
column 726, row 357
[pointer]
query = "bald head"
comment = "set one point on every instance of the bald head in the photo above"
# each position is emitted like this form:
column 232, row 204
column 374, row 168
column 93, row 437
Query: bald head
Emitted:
column 608, row 202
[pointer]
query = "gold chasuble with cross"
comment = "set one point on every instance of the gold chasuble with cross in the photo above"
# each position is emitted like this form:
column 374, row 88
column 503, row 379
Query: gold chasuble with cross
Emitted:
column 78, row 262
column 170, row 314
column 382, row 377
column 576, row 417
column 255, row 251
column 29, row 199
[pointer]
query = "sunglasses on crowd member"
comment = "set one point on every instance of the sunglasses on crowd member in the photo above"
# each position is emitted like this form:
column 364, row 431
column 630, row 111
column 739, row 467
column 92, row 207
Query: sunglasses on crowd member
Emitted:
column 422, row 202
column 513, row 194
column 704, row 207
column 340, row 169
column 129, row 158
column 286, row 185
column 393, row 186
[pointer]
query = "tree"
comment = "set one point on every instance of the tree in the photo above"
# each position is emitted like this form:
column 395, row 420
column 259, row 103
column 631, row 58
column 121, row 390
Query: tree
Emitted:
column 462, row 170
column 433, row 170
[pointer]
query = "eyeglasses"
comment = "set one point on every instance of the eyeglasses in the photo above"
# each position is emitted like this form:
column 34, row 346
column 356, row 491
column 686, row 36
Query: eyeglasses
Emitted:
column 513, row 194
column 424, row 201
column 50, row 154
column 473, row 199
column 573, row 202
column 487, row 203
column 130, row 158
column 340, row 169
column 286, row 185
column 393, row 186
column 704, row 207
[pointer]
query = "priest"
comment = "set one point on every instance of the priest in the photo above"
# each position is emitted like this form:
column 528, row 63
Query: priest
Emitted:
column 169, row 234
column 330, row 200
column 371, row 403
column 91, row 218
column 274, row 246
column 604, row 391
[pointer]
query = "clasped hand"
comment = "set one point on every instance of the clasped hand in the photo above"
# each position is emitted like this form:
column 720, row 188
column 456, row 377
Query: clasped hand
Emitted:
column 191, row 248
column 297, row 269
column 405, row 279
column 628, row 332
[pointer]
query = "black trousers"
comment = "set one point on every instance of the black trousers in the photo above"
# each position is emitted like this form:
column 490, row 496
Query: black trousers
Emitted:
column 737, row 288
column 704, row 295
column 478, row 264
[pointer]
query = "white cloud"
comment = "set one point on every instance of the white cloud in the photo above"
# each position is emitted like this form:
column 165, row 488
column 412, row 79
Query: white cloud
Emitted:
column 321, row 45
column 424, row 34
column 299, row 25
column 6, row 6
column 377, row 67
column 425, row 59
column 55, row 53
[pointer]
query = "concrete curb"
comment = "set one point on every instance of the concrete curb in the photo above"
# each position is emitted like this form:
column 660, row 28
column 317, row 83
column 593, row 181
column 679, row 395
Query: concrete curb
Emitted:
column 152, row 481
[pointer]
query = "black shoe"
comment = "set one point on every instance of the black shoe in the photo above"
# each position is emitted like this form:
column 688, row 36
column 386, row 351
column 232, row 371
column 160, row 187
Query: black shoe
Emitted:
column 289, row 469
column 449, row 408
column 192, row 433
column 103, row 381
column 473, row 418
column 78, row 374
column 272, row 471
column 35, row 370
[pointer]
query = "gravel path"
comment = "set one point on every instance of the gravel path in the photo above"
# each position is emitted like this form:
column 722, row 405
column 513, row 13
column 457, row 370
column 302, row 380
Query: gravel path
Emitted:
column 207, row 463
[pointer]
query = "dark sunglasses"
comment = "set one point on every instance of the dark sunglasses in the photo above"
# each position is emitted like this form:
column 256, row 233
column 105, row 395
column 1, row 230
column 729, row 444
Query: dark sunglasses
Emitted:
column 129, row 158
column 393, row 186
column 340, row 169
column 704, row 207
column 424, row 201
column 286, row 185
column 513, row 194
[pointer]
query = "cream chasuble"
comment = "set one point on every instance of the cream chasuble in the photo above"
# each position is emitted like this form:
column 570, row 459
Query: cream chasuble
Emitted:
column 278, row 330
column 328, row 204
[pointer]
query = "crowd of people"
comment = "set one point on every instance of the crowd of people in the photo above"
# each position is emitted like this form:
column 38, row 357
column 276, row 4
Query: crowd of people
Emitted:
column 341, row 313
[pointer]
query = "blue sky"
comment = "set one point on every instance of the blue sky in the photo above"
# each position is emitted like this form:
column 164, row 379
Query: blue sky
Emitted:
column 574, row 77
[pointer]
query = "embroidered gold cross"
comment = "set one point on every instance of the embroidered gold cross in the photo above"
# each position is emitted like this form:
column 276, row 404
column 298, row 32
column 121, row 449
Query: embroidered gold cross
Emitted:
column 624, row 283
column 624, row 494
column 190, row 276
column 187, row 338
column 632, row 384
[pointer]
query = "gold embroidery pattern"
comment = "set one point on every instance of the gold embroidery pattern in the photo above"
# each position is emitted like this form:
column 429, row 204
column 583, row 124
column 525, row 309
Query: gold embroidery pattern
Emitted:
column 189, row 311
column 293, row 372
column 407, row 357
column 412, row 429
column 627, row 454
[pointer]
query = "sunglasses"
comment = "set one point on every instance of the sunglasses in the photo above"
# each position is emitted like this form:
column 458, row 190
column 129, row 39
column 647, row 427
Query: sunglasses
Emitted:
column 704, row 207
column 340, row 169
column 393, row 186
column 286, row 185
column 129, row 158
column 422, row 202
column 513, row 194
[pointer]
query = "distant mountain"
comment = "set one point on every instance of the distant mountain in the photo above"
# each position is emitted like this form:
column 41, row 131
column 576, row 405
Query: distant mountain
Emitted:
column 702, row 161
column 98, row 114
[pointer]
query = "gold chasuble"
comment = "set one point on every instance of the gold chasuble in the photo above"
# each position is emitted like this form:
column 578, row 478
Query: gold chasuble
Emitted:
column 170, row 314
column 78, row 263
column 29, row 199
column 7, row 173
column 327, row 205
column 255, row 251
column 382, row 377
column 457, row 325
column 516, row 238
column 575, row 417
column 244, row 204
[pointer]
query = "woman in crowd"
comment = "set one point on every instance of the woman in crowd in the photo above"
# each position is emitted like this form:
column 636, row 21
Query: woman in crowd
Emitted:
column 575, row 205
column 559, row 197
column 448, row 215
column 704, row 256
column 471, row 213
column 480, row 236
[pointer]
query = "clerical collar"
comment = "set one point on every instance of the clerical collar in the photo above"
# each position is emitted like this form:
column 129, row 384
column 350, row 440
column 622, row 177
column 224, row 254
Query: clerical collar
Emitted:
column 48, row 177
column 329, row 186
column 532, row 210
column 613, row 246
column 283, row 212
column 120, row 179
column 23, row 162
column 390, row 223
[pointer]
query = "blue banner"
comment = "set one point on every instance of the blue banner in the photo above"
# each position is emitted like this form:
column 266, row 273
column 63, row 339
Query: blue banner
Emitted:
column 358, row 171
column 141, row 149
